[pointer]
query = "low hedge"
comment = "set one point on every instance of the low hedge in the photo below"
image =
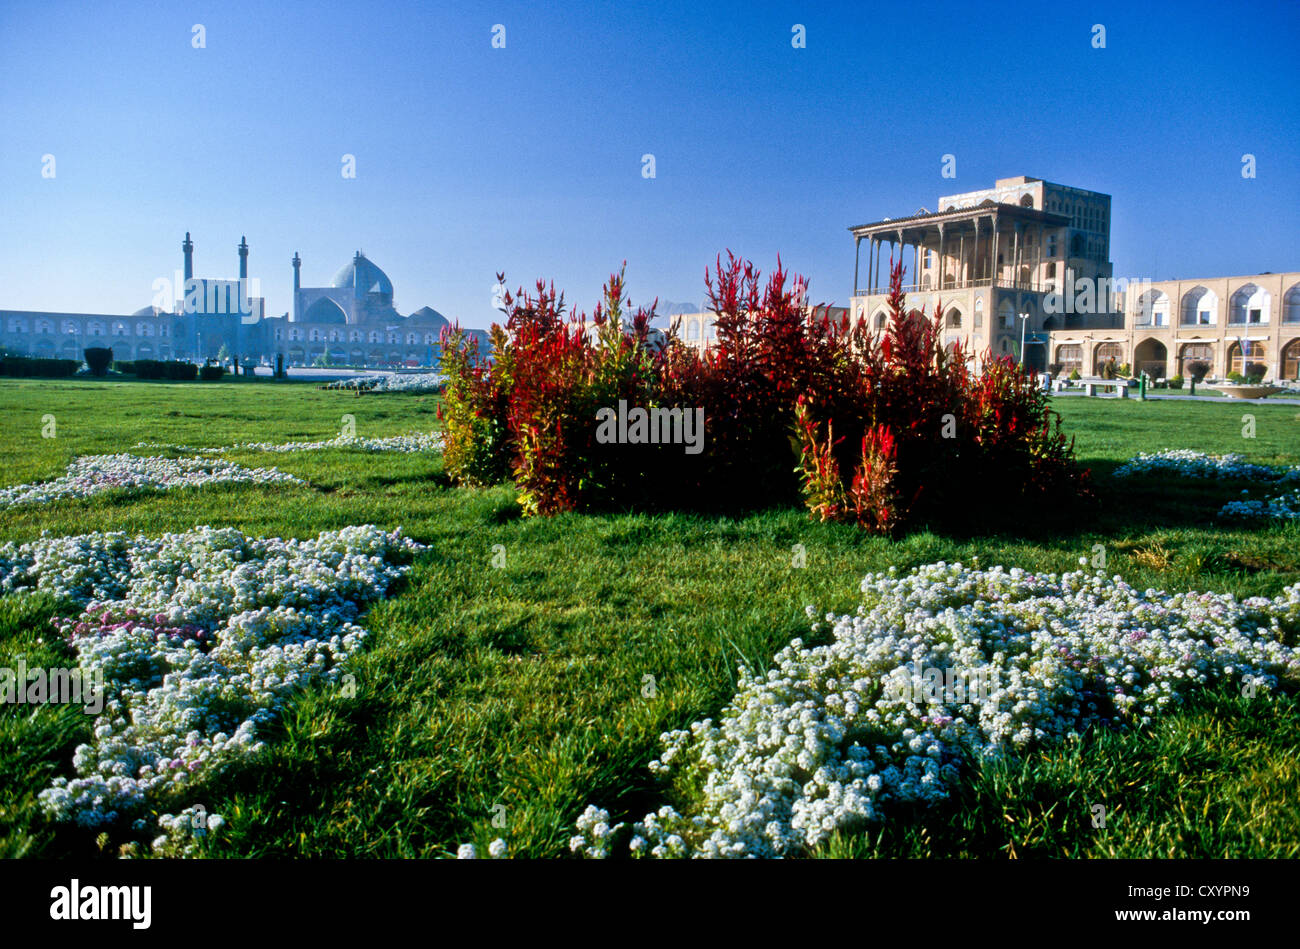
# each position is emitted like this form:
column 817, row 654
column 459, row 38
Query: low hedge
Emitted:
column 173, row 370
column 36, row 366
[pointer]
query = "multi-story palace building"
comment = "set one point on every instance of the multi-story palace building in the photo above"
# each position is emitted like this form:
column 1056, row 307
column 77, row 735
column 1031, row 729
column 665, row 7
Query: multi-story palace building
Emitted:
column 352, row 321
column 1029, row 260
column 1026, row 262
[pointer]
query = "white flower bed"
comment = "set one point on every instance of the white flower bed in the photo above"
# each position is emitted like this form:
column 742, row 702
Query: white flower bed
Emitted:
column 1282, row 507
column 392, row 382
column 200, row 638
column 1197, row 464
column 92, row 474
column 406, row 444
column 826, row 738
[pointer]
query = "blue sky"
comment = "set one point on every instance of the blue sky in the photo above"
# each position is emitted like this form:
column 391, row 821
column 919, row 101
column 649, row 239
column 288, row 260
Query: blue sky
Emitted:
column 471, row 159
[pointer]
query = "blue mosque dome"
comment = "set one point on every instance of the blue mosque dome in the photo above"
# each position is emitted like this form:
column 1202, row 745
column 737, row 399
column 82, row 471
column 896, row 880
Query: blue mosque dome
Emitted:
column 427, row 314
column 363, row 276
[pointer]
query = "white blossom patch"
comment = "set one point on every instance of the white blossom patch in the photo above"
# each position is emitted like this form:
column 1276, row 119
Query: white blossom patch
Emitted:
column 1284, row 507
column 201, row 637
column 1186, row 463
column 826, row 740
column 392, row 382
column 405, row 444
column 93, row 474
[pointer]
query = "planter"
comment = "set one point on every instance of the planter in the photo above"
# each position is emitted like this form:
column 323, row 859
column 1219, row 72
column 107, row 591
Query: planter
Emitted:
column 1248, row 392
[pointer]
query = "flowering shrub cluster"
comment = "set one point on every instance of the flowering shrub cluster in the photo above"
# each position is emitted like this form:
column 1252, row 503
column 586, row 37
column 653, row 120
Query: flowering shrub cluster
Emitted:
column 908, row 417
column 1185, row 463
column 200, row 637
column 831, row 737
column 406, row 444
column 392, row 382
column 91, row 474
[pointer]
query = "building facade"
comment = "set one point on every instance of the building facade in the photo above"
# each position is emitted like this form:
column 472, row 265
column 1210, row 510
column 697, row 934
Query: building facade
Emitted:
column 352, row 321
column 1027, row 263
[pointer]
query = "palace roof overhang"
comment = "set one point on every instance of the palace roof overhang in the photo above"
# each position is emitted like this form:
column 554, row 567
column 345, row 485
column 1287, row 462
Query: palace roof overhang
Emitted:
column 960, row 219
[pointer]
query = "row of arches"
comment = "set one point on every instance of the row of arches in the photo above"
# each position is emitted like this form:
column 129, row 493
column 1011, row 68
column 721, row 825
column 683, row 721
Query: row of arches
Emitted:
column 1152, row 356
column 112, row 329
column 73, row 349
column 1199, row 306
column 304, row 356
column 318, row 335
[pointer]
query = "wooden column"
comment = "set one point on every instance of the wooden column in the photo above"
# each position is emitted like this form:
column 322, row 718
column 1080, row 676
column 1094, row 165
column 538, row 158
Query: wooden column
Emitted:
column 993, row 253
column 857, row 259
column 942, row 269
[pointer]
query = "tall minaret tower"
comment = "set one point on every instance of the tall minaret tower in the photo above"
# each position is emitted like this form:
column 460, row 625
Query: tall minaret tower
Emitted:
column 297, row 266
column 188, row 247
column 243, row 259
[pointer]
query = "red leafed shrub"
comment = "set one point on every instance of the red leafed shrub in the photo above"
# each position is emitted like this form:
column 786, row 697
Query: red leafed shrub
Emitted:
column 881, row 433
column 919, row 428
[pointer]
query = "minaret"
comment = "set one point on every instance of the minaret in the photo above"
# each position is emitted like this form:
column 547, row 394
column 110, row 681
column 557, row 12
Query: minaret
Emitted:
column 188, row 247
column 243, row 259
column 297, row 266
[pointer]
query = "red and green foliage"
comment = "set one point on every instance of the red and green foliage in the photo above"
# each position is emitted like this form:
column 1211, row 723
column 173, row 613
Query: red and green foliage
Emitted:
column 477, row 441
column 882, row 432
column 923, row 436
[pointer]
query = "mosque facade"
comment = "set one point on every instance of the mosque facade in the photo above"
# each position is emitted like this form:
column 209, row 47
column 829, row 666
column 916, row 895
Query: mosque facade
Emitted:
column 352, row 321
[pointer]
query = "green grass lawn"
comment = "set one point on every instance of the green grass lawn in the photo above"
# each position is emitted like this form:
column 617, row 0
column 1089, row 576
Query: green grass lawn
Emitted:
column 522, row 686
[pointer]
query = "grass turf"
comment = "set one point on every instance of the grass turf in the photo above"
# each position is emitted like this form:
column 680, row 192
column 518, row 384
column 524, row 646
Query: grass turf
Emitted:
column 520, row 694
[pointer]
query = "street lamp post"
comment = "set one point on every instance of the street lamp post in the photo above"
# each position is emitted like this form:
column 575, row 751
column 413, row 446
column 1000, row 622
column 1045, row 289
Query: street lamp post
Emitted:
column 1024, row 321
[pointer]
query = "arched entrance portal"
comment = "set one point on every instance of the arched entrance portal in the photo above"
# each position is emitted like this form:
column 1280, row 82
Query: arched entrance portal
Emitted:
column 1150, row 357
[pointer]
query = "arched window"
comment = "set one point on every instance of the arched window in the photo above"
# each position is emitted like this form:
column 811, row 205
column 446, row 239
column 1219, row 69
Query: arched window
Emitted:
column 1291, row 307
column 430, row 339
column 692, row 330
column 1105, row 352
column 881, row 320
column 1070, row 356
column 1249, row 305
column 1255, row 356
column 979, row 312
column 1026, row 200
column 412, row 339
column 1194, row 352
column 1291, row 360
column 1153, row 309
column 45, row 326
column 1200, row 308
column 94, row 328
column 1006, row 314
column 954, row 318
column 376, row 337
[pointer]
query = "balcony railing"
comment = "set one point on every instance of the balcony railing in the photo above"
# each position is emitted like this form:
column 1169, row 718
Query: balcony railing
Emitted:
column 1004, row 283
